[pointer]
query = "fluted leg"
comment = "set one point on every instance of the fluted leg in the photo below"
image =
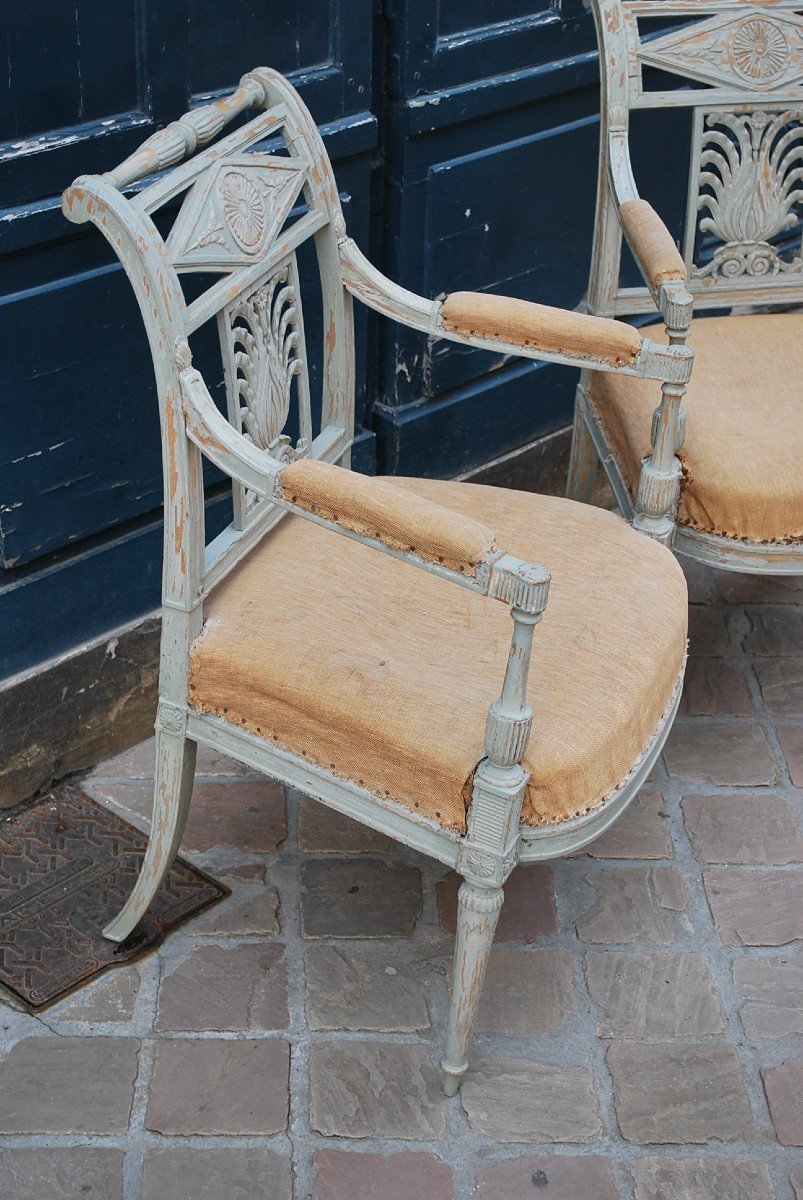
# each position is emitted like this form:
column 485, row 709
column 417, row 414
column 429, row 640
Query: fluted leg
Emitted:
column 583, row 462
column 478, row 911
column 175, row 769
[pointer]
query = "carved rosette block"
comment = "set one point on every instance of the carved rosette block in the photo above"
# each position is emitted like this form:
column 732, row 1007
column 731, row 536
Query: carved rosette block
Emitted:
column 171, row 718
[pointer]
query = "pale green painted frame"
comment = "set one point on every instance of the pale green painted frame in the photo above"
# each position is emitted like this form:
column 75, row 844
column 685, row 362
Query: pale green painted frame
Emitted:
column 495, row 838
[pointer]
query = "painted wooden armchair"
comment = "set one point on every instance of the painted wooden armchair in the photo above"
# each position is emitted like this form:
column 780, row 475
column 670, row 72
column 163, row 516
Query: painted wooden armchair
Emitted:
column 301, row 641
column 717, row 473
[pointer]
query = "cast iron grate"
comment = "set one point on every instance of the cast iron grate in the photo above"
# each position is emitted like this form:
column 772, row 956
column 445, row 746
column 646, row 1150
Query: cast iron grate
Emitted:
column 67, row 865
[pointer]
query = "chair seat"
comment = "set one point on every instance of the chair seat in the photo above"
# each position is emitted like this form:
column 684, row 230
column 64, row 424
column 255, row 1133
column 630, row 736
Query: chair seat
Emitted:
column 743, row 453
column 383, row 673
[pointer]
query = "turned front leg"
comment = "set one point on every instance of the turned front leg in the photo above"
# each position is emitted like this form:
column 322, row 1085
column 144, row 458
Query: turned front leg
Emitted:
column 478, row 911
column 489, row 850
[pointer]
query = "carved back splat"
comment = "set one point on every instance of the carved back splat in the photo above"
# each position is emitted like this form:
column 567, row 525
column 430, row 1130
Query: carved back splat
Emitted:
column 262, row 339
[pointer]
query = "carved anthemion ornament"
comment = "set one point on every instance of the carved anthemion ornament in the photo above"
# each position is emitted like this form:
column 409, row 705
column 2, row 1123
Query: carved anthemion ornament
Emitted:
column 758, row 50
column 234, row 211
column 265, row 345
column 750, row 190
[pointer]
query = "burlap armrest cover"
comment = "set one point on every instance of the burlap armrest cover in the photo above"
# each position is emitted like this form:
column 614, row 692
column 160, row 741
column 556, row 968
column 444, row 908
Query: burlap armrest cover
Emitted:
column 552, row 330
column 376, row 508
column 652, row 243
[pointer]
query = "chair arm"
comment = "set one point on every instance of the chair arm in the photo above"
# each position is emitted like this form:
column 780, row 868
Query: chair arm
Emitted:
column 373, row 511
column 492, row 322
column 541, row 328
column 657, row 257
column 653, row 246
column 376, row 509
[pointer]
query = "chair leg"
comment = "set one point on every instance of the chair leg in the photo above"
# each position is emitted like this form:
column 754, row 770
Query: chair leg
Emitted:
column 175, row 770
column 583, row 462
column 478, row 911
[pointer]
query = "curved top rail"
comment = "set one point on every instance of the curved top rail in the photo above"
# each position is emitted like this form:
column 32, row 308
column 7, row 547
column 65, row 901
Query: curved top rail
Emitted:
column 184, row 136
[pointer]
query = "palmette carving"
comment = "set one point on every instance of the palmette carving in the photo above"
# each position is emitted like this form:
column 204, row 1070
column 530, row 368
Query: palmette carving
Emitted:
column 751, row 173
column 265, row 346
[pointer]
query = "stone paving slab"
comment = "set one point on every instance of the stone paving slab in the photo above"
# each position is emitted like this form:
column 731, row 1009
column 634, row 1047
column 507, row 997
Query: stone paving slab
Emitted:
column 567, row 1177
column 515, row 1100
column 351, row 991
column 66, row 1172
column 345, row 1176
column 375, row 1089
column 68, row 1085
column 772, row 989
column 640, row 1032
column 653, row 995
column 247, row 1173
column 217, row 1086
column 679, row 1092
column 691, row 1179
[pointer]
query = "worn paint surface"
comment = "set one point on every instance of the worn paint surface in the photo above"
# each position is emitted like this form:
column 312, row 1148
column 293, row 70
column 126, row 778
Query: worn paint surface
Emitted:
column 312, row 480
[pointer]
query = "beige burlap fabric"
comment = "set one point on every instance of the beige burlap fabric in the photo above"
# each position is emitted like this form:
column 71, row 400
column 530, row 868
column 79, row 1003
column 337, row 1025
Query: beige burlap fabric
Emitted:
column 383, row 673
column 652, row 242
column 743, row 454
column 553, row 330
column 376, row 508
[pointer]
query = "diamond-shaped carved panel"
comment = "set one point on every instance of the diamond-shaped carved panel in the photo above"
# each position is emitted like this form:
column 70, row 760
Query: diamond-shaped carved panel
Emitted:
column 234, row 211
column 757, row 50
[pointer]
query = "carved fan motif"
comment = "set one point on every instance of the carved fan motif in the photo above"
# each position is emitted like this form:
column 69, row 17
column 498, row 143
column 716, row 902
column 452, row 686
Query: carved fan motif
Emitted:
column 751, row 184
column 759, row 49
column 243, row 210
column 265, row 348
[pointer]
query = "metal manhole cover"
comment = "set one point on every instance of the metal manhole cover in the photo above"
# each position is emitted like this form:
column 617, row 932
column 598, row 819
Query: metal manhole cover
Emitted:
column 67, row 866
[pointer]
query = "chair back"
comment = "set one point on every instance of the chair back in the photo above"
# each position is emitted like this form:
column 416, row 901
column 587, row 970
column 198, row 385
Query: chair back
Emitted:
column 738, row 67
column 245, row 210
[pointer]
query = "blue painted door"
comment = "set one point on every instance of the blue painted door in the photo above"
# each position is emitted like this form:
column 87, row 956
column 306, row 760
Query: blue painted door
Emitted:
column 464, row 136
column 80, row 467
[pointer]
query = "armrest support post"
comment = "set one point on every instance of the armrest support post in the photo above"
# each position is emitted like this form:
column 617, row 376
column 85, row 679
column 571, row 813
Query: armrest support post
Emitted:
column 659, row 482
column 488, row 853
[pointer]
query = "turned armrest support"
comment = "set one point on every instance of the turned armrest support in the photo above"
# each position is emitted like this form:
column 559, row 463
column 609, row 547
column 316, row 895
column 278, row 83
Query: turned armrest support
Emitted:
column 537, row 327
column 376, row 509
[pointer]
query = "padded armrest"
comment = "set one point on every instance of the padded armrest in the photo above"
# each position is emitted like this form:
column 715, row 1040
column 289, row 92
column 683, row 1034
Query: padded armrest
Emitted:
column 539, row 327
column 375, row 508
column 652, row 244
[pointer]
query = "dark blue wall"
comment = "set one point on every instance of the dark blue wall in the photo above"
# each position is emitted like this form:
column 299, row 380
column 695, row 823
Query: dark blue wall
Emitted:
column 464, row 136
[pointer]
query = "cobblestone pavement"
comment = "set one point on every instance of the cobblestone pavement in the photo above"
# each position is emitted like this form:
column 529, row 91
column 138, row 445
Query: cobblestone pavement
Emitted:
column 639, row 1032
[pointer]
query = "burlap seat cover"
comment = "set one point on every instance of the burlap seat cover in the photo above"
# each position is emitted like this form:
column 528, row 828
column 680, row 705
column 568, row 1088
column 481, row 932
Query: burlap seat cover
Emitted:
column 383, row 673
column 743, row 453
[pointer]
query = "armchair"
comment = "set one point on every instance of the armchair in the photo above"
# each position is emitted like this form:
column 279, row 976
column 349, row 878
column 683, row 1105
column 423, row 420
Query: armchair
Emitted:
column 715, row 472
column 275, row 646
